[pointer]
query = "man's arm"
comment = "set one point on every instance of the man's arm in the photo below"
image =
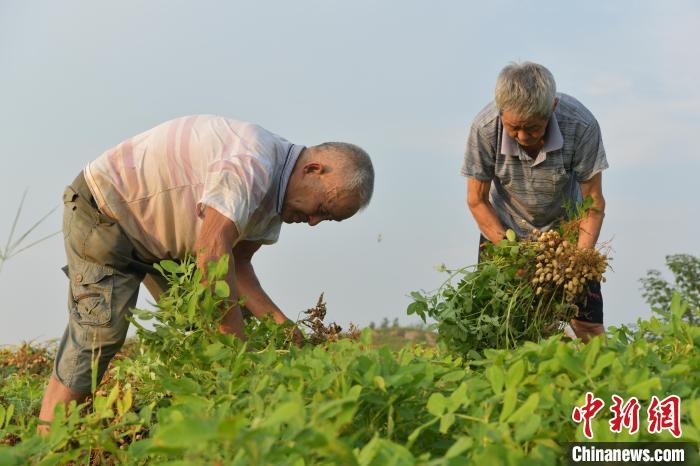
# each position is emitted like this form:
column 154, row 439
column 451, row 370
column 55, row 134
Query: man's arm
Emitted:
column 589, row 229
column 482, row 210
column 216, row 238
column 256, row 300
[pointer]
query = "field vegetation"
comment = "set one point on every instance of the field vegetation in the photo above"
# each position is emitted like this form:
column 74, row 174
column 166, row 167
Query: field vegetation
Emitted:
column 182, row 393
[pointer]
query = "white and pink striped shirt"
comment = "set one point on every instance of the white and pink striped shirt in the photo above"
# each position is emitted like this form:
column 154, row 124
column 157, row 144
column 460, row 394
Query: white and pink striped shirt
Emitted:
column 156, row 184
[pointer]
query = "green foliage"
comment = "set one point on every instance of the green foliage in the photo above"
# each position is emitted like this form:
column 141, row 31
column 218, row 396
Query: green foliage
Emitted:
column 577, row 210
column 686, row 281
column 574, row 213
column 190, row 395
column 492, row 304
column 521, row 290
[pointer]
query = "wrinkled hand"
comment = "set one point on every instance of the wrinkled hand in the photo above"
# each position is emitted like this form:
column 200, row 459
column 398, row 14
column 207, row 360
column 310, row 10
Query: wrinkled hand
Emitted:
column 297, row 337
column 232, row 323
column 43, row 429
column 294, row 334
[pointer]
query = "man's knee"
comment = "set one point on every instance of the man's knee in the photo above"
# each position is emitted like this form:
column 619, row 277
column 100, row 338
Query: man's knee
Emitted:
column 100, row 299
column 587, row 330
column 84, row 349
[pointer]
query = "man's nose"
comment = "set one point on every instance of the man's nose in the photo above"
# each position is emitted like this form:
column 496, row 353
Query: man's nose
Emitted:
column 313, row 220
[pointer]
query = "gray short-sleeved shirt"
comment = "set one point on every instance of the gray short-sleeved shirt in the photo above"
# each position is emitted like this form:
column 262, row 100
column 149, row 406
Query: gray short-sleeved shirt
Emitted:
column 531, row 193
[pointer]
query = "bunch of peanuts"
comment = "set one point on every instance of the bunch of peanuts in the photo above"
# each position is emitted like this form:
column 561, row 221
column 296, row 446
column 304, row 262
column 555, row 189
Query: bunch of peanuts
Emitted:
column 561, row 266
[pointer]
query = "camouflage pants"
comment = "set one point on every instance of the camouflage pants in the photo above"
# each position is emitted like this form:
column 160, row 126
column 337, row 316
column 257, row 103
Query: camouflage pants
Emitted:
column 105, row 269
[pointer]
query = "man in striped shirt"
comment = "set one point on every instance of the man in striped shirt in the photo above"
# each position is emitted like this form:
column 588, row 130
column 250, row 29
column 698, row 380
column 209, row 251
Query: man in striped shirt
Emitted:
column 529, row 152
column 202, row 185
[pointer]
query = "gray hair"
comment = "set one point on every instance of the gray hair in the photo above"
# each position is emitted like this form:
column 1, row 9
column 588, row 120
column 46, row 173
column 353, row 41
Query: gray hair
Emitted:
column 360, row 178
column 527, row 89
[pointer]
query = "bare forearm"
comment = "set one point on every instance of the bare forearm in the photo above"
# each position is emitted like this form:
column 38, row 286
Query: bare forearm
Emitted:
column 256, row 299
column 488, row 221
column 216, row 238
column 589, row 229
column 482, row 210
column 232, row 321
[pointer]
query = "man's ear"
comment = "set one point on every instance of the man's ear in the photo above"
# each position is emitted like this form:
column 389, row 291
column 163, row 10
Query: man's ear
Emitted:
column 314, row 167
column 556, row 102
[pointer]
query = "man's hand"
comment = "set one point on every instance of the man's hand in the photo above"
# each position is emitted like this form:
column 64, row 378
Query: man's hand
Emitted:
column 296, row 336
column 586, row 330
column 232, row 322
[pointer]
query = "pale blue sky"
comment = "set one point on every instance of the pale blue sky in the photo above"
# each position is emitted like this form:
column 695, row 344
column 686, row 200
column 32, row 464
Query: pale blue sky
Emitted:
column 402, row 79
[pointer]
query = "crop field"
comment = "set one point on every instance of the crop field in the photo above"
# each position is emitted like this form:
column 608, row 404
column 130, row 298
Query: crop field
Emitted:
column 183, row 393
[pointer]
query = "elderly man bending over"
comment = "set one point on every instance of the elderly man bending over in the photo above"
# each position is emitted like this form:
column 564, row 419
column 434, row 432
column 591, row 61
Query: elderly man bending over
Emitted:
column 201, row 184
column 528, row 153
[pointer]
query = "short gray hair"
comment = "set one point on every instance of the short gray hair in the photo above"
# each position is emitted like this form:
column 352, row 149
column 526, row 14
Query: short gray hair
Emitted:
column 356, row 161
column 527, row 89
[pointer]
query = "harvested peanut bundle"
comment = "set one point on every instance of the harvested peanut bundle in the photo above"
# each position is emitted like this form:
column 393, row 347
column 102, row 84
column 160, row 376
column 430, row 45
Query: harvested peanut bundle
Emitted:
column 561, row 269
column 521, row 289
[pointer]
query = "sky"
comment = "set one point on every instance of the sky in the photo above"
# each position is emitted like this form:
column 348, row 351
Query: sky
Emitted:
column 402, row 79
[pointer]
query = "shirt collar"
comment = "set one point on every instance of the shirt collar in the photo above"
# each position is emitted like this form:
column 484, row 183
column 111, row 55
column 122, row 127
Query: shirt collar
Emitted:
column 289, row 162
column 553, row 140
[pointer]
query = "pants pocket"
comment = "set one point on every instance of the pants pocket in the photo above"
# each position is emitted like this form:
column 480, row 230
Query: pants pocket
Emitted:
column 91, row 289
column 69, row 197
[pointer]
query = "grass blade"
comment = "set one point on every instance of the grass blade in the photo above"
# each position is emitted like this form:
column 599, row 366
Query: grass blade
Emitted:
column 28, row 232
column 6, row 251
column 33, row 243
